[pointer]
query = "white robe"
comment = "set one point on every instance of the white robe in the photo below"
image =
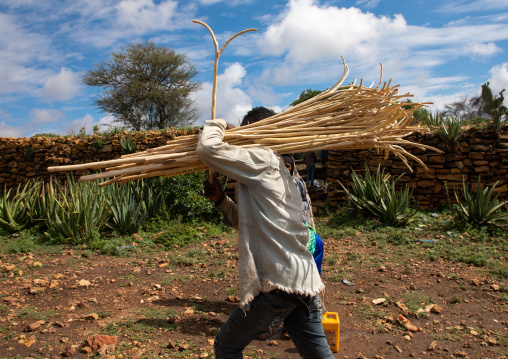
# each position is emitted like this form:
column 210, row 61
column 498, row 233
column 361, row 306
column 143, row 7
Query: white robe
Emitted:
column 272, row 236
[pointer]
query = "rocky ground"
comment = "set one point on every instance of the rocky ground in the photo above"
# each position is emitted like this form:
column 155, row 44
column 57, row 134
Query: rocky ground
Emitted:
column 146, row 304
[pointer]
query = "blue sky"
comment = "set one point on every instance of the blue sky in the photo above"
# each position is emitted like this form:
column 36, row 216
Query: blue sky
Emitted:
column 440, row 51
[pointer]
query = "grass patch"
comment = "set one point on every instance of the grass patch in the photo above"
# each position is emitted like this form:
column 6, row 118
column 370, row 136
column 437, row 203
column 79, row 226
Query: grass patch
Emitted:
column 33, row 313
column 221, row 273
column 4, row 309
column 168, row 279
column 140, row 330
column 456, row 299
column 366, row 311
column 10, row 335
column 231, row 290
column 171, row 233
column 153, row 313
column 448, row 336
column 416, row 300
column 337, row 276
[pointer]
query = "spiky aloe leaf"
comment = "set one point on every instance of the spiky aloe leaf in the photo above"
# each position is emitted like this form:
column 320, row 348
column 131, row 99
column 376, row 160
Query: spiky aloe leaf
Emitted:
column 479, row 209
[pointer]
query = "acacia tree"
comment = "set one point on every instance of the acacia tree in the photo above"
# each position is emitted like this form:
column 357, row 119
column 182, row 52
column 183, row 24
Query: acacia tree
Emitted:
column 468, row 108
column 146, row 87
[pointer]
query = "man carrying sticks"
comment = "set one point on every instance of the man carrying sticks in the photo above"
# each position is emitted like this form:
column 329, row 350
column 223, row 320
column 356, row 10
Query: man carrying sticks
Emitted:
column 279, row 281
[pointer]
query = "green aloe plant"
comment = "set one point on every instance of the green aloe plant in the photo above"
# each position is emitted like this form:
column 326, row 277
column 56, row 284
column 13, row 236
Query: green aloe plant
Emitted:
column 432, row 121
column 14, row 211
column 451, row 129
column 368, row 189
column 42, row 200
column 377, row 195
column 479, row 209
column 126, row 205
column 81, row 210
column 153, row 202
column 393, row 209
column 128, row 144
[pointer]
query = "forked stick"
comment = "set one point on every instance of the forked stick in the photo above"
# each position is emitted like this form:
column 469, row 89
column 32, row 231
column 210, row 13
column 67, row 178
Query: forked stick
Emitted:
column 215, row 71
column 217, row 55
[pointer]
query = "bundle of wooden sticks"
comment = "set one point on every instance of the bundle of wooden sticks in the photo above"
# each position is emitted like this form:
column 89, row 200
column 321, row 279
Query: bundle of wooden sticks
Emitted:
column 342, row 117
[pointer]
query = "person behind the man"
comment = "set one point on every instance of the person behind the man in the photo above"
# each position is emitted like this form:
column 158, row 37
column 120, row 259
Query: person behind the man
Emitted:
column 278, row 280
column 315, row 244
column 310, row 161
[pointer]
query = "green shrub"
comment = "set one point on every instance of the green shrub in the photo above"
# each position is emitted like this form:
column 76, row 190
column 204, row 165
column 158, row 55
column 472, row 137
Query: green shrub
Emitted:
column 184, row 197
column 46, row 134
column 29, row 153
column 377, row 195
column 479, row 209
column 98, row 144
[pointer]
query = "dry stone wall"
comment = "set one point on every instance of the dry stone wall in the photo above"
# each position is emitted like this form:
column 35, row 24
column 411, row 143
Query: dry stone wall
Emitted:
column 479, row 153
column 23, row 159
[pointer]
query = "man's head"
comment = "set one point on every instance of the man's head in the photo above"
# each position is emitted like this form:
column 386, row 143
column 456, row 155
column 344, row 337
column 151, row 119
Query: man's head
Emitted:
column 256, row 114
column 289, row 162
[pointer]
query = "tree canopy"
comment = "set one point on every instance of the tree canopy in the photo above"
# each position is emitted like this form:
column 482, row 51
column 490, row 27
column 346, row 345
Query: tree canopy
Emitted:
column 146, row 87
column 467, row 108
column 304, row 96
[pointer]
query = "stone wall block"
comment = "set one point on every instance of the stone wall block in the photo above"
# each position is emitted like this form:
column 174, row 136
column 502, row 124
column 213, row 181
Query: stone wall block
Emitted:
column 480, row 163
column 481, row 148
column 437, row 159
column 427, row 176
column 459, row 164
column 451, row 177
column 107, row 148
column 454, row 157
column 426, row 183
column 476, row 155
column 481, row 169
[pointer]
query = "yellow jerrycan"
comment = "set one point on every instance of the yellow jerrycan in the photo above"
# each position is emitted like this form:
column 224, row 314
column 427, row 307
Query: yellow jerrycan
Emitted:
column 331, row 326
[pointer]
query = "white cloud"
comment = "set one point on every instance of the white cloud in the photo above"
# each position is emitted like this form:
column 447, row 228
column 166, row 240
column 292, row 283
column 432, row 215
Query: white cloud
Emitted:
column 43, row 116
column 369, row 4
column 145, row 14
column 104, row 23
column 228, row 2
column 9, row 131
column 232, row 102
column 482, row 50
column 308, row 38
column 62, row 87
column 462, row 6
column 307, row 32
column 85, row 122
column 499, row 79
column 21, row 53
column 267, row 97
